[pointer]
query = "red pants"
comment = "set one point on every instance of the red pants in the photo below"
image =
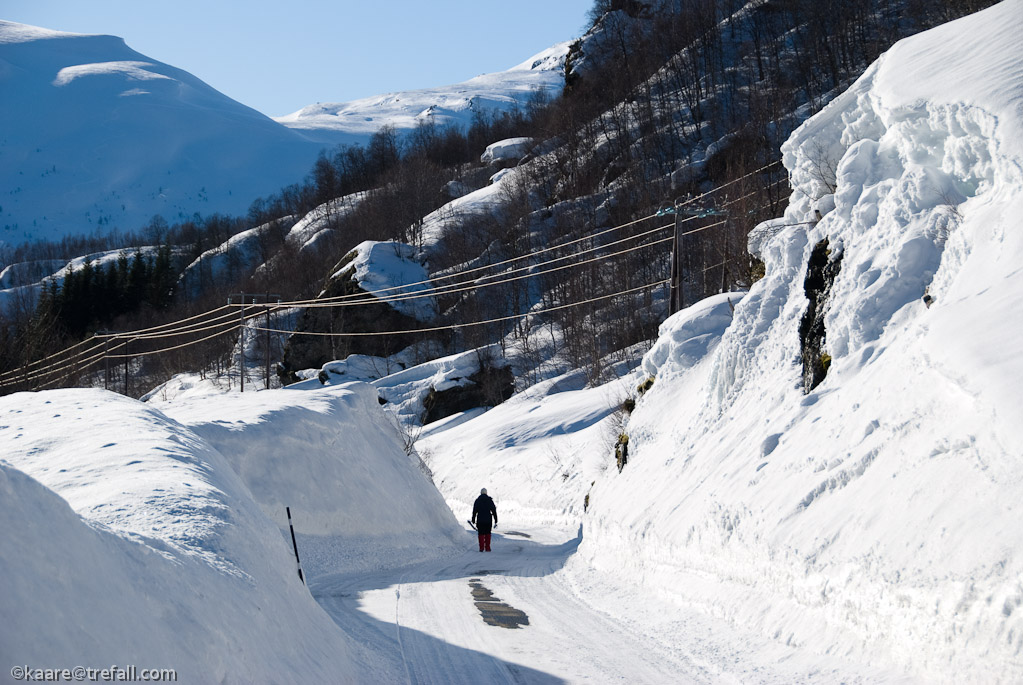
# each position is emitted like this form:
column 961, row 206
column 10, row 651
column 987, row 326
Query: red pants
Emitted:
column 484, row 541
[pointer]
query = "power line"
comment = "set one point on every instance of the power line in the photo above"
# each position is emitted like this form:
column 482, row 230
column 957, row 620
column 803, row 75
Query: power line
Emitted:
column 198, row 327
column 174, row 329
column 76, row 367
column 73, row 359
column 471, row 323
column 477, row 286
column 547, row 249
column 14, row 372
column 450, row 289
column 369, row 297
column 139, row 333
column 233, row 326
column 101, row 339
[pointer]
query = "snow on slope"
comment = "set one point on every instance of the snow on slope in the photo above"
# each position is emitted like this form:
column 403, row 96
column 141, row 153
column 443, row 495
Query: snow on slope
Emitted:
column 392, row 269
column 537, row 453
column 481, row 204
column 129, row 540
column 145, row 138
column 543, row 449
column 877, row 516
column 154, row 537
column 356, row 121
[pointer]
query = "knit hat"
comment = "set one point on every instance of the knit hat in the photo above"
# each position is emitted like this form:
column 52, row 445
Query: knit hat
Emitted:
column 483, row 491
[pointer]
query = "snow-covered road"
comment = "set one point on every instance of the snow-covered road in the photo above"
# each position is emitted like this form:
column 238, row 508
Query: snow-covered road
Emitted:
column 430, row 619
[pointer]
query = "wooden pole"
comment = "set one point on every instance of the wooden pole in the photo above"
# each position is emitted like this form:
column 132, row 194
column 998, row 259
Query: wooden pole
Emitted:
column 675, row 294
column 126, row 342
column 241, row 331
column 241, row 343
column 266, row 304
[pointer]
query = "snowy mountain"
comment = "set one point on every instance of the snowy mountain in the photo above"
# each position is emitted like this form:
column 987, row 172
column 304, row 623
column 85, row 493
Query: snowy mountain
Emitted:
column 356, row 121
column 97, row 136
column 147, row 138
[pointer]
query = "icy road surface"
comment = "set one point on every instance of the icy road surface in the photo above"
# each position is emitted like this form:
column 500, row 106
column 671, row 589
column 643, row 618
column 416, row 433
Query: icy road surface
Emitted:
column 431, row 619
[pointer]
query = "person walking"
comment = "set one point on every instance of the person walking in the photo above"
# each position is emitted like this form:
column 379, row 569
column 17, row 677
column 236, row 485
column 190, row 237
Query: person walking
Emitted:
column 484, row 513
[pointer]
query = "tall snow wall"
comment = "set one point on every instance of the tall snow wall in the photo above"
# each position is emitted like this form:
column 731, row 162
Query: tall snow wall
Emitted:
column 130, row 541
column 136, row 537
column 876, row 517
column 337, row 460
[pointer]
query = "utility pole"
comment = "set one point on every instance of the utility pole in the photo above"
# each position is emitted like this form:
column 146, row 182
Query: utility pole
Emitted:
column 675, row 294
column 692, row 250
column 266, row 306
column 126, row 367
column 241, row 330
column 106, row 357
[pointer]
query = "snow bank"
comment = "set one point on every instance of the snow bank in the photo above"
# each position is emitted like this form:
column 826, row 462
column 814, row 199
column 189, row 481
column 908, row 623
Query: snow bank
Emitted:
column 875, row 517
column 543, row 449
column 338, row 461
column 874, row 520
column 687, row 337
column 129, row 540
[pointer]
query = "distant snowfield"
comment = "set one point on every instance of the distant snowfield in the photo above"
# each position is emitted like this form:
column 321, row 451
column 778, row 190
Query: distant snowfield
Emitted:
column 356, row 121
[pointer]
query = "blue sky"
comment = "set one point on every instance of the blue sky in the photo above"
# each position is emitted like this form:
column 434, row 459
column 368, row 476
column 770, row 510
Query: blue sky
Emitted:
column 281, row 56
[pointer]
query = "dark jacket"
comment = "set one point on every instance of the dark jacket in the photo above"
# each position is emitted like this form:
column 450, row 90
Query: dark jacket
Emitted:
column 482, row 511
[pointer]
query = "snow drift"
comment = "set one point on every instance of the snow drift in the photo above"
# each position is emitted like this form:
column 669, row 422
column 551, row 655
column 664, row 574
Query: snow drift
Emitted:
column 874, row 517
column 133, row 538
column 336, row 459
column 130, row 540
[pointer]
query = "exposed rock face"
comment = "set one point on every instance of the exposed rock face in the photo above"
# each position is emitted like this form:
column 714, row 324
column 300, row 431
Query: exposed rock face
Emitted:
column 486, row 388
column 313, row 351
column 820, row 275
